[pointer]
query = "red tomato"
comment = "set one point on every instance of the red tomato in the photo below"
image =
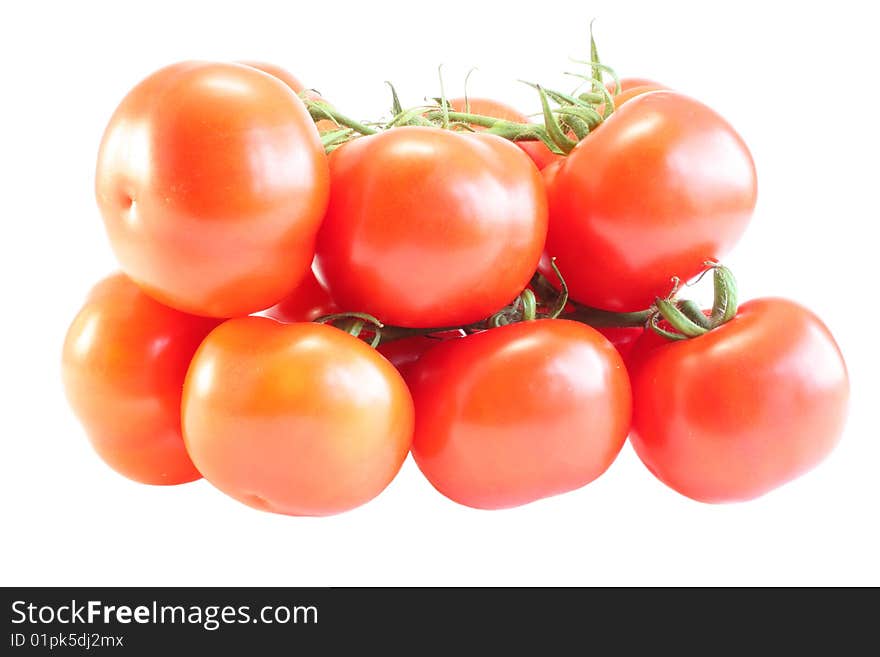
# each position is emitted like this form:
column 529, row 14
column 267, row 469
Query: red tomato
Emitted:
column 306, row 303
column 124, row 361
column 732, row 414
column 629, row 89
column 404, row 352
column 662, row 186
column 623, row 338
column 628, row 94
column 428, row 227
column 282, row 74
column 631, row 83
column 300, row 419
column 212, row 182
column 519, row 413
column 538, row 151
column 324, row 125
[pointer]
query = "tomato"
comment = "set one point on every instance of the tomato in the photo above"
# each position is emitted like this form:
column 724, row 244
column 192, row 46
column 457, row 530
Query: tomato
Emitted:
column 662, row 186
column 734, row 413
column 124, row 360
column 623, row 338
column 306, row 303
column 324, row 125
column 282, row 74
column 518, row 413
column 627, row 84
column 538, row 151
column 429, row 227
column 212, row 182
column 405, row 352
column 300, row 419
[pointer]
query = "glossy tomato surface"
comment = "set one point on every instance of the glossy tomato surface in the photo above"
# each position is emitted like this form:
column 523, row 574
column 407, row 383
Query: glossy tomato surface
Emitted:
column 661, row 187
column 288, row 78
column 428, row 227
column 732, row 414
column 124, row 360
column 306, row 303
column 519, row 413
column 212, row 182
column 299, row 419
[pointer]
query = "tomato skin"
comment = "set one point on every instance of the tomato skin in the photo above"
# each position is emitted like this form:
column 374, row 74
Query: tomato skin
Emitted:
column 733, row 414
column 662, row 186
column 212, row 183
column 515, row 414
column 405, row 352
column 123, row 364
column 274, row 70
column 626, row 84
column 538, row 151
column 623, row 338
column 306, row 303
column 288, row 78
column 427, row 227
column 298, row 419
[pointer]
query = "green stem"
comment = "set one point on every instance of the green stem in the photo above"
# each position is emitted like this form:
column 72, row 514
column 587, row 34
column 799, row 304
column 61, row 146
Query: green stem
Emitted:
column 320, row 111
column 606, row 318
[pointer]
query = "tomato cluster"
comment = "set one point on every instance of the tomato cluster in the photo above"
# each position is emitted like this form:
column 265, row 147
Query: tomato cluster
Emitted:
column 306, row 299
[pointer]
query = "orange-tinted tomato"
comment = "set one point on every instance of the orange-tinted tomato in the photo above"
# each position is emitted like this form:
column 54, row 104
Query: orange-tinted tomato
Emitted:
column 428, row 227
column 300, row 419
column 518, row 413
column 324, row 125
column 306, row 303
column 662, row 186
column 538, row 151
column 734, row 413
column 212, row 182
column 125, row 357
column 627, row 84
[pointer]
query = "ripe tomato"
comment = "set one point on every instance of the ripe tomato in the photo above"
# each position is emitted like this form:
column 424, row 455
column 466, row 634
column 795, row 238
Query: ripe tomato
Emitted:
column 125, row 357
column 631, row 83
column 306, row 303
column 538, row 151
column 623, row 338
column 428, row 227
column 324, row 125
column 518, row 413
column 405, row 352
column 274, row 70
column 662, row 186
column 212, row 182
column 734, row 413
column 300, row 419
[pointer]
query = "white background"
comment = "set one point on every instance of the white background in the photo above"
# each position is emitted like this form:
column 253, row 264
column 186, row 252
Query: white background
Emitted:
column 799, row 82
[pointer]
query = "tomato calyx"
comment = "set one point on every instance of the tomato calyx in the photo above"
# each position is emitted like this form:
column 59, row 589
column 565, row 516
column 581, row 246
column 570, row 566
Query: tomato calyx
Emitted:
column 685, row 317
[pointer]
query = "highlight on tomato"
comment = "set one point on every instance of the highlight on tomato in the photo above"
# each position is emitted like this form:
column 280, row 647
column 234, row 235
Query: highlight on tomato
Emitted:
column 428, row 227
column 519, row 413
column 741, row 408
column 662, row 186
column 124, row 360
column 298, row 419
column 212, row 202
